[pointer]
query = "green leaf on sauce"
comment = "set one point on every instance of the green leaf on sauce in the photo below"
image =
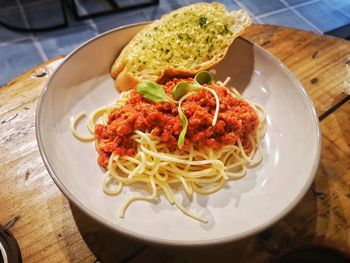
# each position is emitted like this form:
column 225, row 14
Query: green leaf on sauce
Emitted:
column 204, row 77
column 181, row 89
column 184, row 124
column 152, row 91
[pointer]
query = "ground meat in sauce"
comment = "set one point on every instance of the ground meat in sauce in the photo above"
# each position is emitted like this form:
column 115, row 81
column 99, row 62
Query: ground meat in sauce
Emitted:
column 236, row 119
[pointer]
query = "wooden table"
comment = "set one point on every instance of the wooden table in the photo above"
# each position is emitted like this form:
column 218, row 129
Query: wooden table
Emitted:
column 51, row 230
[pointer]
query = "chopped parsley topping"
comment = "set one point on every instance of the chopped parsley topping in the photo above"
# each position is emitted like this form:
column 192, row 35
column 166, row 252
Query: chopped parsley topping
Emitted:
column 202, row 20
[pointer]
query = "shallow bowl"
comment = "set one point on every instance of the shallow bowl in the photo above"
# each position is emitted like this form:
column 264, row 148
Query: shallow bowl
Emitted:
column 243, row 207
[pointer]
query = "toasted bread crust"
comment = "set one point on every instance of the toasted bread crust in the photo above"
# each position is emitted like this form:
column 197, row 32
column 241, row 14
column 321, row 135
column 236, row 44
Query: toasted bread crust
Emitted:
column 126, row 78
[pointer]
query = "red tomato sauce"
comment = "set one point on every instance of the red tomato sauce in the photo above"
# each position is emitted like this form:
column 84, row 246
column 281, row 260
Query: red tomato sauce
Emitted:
column 236, row 119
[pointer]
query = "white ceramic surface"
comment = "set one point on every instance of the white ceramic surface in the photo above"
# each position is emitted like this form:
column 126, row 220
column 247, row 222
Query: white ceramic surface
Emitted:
column 244, row 207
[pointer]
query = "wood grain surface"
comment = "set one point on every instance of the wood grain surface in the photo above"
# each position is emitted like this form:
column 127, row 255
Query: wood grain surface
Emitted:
column 320, row 62
column 52, row 230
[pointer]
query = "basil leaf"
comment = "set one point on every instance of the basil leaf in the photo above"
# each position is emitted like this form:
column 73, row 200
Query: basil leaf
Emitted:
column 181, row 89
column 152, row 91
column 184, row 124
column 204, row 77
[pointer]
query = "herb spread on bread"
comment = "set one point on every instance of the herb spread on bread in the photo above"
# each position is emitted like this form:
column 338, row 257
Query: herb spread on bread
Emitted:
column 181, row 43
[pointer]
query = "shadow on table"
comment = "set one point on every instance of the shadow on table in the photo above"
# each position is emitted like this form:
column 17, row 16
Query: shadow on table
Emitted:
column 105, row 244
column 295, row 231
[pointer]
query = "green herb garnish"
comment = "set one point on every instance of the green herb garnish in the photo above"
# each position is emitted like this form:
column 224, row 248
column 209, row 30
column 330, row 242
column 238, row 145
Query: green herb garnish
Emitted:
column 181, row 89
column 184, row 124
column 202, row 20
column 152, row 91
column 204, row 77
column 184, row 121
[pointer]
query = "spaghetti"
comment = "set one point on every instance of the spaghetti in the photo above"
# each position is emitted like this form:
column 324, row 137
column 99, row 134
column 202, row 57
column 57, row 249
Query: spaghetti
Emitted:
column 143, row 155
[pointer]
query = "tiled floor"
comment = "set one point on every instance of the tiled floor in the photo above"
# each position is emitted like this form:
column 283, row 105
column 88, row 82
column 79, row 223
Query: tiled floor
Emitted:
column 21, row 51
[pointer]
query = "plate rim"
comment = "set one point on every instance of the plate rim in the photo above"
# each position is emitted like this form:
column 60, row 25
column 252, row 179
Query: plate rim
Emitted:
column 168, row 242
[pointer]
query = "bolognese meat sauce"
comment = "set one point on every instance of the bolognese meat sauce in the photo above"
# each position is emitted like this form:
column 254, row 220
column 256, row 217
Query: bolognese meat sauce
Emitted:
column 236, row 119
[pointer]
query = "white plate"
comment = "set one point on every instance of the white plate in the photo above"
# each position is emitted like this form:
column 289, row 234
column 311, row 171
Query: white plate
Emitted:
column 244, row 207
